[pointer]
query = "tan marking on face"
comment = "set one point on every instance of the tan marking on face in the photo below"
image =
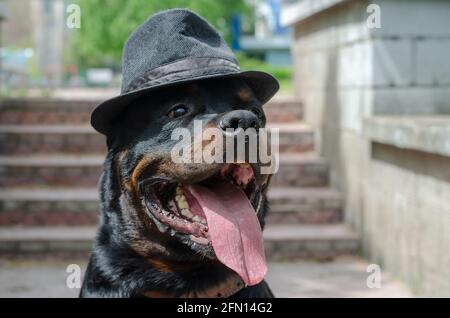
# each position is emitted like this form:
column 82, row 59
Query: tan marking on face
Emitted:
column 211, row 139
column 118, row 163
column 143, row 164
column 244, row 95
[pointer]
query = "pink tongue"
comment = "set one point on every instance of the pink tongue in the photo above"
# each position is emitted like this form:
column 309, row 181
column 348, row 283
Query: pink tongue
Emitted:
column 234, row 229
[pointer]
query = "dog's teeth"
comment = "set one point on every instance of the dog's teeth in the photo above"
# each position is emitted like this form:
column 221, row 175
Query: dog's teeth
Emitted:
column 196, row 218
column 183, row 205
column 181, row 201
column 203, row 221
column 186, row 213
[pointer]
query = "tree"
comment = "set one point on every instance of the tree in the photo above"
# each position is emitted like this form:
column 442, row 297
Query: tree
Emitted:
column 106, row 24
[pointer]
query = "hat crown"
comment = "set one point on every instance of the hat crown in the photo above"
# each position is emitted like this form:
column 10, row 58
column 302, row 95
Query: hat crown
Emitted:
column 167, row 37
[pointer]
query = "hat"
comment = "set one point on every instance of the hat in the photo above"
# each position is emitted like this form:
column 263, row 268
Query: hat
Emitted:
column 172, row 47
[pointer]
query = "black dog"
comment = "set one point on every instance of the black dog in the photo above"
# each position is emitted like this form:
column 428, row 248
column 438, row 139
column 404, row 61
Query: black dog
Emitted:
column 145, row 246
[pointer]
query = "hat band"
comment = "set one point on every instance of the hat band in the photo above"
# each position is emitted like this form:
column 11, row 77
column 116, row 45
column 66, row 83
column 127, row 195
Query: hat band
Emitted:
column 181, row 70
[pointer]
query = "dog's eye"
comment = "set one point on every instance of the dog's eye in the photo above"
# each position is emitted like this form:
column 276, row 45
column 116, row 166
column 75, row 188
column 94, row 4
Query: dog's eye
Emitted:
column 177, row 111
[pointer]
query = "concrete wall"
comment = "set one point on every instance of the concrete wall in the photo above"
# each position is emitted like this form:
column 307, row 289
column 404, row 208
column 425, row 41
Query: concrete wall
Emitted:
column 407, row 217
column 48, row 20
column 346, row 73
column 333, row 76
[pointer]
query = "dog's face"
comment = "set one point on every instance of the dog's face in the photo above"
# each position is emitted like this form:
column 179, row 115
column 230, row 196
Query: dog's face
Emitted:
column 164, row 202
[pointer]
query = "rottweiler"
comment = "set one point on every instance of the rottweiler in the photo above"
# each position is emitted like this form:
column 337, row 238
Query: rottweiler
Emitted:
column 171, row 229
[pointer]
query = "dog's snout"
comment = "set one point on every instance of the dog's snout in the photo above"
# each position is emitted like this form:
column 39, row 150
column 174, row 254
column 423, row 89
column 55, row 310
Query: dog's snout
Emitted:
column 239, row 119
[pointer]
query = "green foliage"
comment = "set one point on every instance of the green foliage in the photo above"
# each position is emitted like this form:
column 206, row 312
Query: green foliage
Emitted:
column 106, row 24
column 283, row 74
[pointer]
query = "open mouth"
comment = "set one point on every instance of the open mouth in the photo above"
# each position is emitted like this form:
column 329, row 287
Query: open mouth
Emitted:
column 220, row 211
column 176, row 208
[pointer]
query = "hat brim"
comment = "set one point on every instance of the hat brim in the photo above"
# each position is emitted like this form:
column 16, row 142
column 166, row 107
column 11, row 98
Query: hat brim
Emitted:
column 263, row 85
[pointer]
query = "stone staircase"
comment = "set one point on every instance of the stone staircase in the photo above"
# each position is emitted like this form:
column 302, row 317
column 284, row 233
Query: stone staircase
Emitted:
column 50, row 161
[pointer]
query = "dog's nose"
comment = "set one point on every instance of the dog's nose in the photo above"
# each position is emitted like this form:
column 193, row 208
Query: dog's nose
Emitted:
column 239, row 119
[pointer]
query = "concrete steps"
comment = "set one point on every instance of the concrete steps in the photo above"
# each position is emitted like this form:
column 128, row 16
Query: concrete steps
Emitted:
column 80, row 206
column 282, row 242
column 304, row 206
column 304, row 170
column 301, row 170
column 289, row 242
column 49, row 206
column 50, row 170
column 45, row 139
column 44, row 111
column 50, row 162
column 294, row 137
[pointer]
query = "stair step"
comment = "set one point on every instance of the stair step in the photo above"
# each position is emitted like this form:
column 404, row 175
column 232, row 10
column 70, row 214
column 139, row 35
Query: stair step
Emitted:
column 79, row 139
column 41, row 111
column 44, row 111
column 289, row 242
column 301, row 170
column 53, row 240
column 284, row 110
column 305, row 170
column 37, row 207
column 304, row 206
column 50, row 170
column 294, row 137
column 282, row 242
column 37, row 139
column 80, row 206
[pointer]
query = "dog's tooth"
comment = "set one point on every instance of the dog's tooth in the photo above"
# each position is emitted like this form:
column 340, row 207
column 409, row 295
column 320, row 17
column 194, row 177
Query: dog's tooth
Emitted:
column 203, row 221
column 179, row 191
column 181, row 201
column 196, row 218
column 183, row 204
column 186, row 213
column 244, row 165
column 179, row 197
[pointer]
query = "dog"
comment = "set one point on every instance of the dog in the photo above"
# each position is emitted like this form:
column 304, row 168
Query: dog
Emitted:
column 146, row 246
column 171, row 226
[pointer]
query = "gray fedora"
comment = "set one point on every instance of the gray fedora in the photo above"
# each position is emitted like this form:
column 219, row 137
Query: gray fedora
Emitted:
column 171, row 47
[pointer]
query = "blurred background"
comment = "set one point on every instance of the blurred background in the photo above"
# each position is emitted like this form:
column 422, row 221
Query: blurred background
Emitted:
column 360, row 206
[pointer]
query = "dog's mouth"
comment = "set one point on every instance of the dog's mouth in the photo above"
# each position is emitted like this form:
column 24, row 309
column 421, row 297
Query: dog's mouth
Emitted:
column 219, row 211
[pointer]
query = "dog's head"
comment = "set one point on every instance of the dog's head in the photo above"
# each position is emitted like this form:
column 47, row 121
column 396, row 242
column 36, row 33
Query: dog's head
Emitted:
column 181, row 210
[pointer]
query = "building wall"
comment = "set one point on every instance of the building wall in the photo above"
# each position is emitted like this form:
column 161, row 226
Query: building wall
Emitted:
column 38, row 25
column 332, row 54
column 407, row 216
column 346, row 73
column 48, row 18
